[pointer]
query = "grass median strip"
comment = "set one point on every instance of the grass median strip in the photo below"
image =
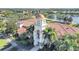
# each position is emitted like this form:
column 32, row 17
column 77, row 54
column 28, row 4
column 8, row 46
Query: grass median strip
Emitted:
column 3, row 42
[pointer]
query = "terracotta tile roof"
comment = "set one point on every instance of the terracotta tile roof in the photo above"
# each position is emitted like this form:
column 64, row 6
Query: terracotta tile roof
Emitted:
column 60, row 28
column 21, row 30
column 63, row 29
column 25, row 23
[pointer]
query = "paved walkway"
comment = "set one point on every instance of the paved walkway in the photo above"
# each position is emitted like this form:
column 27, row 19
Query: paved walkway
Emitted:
column 11, row 41
column 19, row 47
column 14, row 44
column 8, row 49
column 36, row 48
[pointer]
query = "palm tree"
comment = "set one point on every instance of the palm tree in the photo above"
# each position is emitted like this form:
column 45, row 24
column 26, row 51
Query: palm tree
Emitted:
column 49, row 36
column 30, row 30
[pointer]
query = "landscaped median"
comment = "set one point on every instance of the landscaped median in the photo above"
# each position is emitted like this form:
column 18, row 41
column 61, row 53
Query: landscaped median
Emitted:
column 3, row 42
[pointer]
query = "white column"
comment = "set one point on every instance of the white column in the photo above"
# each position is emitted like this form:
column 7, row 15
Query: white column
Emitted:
column 35, row 39
column 41, row 40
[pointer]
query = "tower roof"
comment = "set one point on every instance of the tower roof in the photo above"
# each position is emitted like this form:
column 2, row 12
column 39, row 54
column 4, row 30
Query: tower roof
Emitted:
column 40, row 16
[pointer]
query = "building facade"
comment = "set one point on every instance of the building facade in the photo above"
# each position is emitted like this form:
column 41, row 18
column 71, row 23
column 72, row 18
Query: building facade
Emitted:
column 39, row 26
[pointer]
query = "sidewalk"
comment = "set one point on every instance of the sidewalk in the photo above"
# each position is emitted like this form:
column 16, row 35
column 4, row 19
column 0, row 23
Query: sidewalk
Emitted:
column 14, row 44
column 36, row 48
column 7, row 49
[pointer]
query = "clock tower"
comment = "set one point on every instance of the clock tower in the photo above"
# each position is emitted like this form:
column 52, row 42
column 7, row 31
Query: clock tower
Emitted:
column 39, row 26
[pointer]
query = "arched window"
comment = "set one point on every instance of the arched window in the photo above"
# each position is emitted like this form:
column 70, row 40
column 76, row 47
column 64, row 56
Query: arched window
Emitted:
column 38, row 34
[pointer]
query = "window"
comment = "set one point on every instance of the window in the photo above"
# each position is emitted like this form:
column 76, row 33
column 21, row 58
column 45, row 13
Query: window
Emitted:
column 38, row 34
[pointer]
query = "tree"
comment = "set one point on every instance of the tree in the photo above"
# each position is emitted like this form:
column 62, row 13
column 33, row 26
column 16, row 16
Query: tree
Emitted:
column 67, row 43
column 26, row 38
column 68, row 20
column 30, row 30
column 11, row 26
column 2, row 26
column 49, row 35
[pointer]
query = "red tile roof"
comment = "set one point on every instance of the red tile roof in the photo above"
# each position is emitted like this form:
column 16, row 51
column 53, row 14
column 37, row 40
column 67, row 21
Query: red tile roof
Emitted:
column 63, row 29
column 28, row 22
column 60, row 28
column 21, row 30
column 25, row 23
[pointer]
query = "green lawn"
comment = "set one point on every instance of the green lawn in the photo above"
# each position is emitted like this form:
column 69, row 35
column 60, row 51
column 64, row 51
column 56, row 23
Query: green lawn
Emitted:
column 3, row 42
